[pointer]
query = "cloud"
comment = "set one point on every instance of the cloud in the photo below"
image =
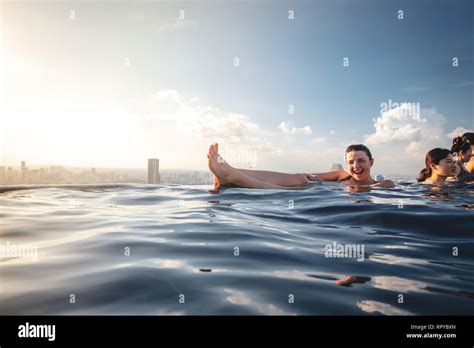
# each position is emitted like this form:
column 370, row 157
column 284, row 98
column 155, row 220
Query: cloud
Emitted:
column 184, row 128
column 417, row 128
column 402, row 138
column 457, row 132
column 288, row 129
column 202, row 121
column 403, row 123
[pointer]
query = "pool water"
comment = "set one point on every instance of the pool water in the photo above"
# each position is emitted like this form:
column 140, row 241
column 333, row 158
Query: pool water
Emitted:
column 169, row 249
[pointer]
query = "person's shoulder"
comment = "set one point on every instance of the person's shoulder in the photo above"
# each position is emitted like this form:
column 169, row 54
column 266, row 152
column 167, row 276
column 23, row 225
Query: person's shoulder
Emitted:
column 342, row 175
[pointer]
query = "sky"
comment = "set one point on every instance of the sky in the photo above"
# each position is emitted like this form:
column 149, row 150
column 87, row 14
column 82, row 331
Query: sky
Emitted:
column 284, row 85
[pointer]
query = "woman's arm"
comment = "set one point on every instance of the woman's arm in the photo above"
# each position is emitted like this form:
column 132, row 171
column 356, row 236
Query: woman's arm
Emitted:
column 329, row 176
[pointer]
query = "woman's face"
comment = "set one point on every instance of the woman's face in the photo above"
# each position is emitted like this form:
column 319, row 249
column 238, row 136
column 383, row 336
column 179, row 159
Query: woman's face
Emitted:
column 359, row 165
column 465, row 156
column 445, row 167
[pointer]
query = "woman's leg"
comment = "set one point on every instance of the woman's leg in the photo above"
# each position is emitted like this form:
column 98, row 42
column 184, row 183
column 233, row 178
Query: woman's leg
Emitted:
column 226, row 174
column 276, row 178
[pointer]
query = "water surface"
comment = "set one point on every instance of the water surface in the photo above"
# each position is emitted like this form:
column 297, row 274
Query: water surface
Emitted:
column 136, row 249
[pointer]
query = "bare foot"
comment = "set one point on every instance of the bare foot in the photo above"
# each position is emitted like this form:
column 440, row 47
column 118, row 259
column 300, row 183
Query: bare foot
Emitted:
column 219, row 167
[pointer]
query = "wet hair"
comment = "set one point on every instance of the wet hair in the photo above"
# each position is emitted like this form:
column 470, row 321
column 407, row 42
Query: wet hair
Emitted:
column 460, row 144
column 468, row 137
column 359, row 147
column 433, row 156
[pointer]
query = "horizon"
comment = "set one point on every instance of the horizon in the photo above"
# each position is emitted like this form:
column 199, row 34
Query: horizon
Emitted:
column 144, row 168
column 285, row 88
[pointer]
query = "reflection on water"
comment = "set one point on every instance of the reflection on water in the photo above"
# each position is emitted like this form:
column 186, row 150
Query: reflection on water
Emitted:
column 138, row 249
column 381, row 308
column 240, row 298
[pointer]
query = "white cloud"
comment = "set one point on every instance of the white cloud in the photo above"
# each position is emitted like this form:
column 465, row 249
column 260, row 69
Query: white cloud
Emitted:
column 457, row 132
column 401, row 139
column 332, row 132
column 183, row 128
column 202, row 121
column 418, row 131
column 287, row 128
column 402, row 123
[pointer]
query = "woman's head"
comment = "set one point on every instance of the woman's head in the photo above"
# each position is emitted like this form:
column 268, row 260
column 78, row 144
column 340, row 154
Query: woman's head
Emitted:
column 469, row 137
column 462, row 148
column 359, row 160
column 439, row 162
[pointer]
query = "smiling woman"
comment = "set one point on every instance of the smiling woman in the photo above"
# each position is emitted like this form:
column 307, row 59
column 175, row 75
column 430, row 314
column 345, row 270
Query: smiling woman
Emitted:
column 440, row 164
column 358, row 157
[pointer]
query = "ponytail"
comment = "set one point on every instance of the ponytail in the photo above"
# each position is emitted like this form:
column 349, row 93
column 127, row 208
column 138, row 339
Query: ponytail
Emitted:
column 425, row 173
column 433, row 157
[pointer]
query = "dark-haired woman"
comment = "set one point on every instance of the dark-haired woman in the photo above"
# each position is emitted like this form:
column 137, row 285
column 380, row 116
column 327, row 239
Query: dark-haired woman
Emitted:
column 358, row 158
column 463, row 150
column 439, row 165
column 470, row 137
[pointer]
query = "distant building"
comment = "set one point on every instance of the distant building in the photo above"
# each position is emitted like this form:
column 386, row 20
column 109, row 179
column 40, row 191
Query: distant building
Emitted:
column 24, row 171
column 336, row 167
column 153, row 171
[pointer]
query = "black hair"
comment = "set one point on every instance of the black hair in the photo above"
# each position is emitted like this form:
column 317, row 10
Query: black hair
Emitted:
column 460, row 144
column 433, row 156
column 468, row 137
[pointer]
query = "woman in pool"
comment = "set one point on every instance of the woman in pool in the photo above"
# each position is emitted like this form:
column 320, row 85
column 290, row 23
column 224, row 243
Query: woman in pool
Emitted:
column 470, row 138
column 358, row 158
column 440, row 165
column 463, row 150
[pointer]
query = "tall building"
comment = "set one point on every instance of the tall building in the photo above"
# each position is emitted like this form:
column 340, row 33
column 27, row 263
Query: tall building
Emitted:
column 153, row 171
column 23, row 172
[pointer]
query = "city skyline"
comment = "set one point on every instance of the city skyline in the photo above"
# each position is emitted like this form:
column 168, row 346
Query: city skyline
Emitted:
column 288, row 89
column 24, row 174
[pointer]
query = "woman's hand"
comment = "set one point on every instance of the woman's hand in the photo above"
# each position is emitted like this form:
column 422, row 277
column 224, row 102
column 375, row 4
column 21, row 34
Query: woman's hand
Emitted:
column 384, row 184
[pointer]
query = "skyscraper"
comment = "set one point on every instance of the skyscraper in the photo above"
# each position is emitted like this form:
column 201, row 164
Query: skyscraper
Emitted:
column 153, row 171
column 23, row 172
